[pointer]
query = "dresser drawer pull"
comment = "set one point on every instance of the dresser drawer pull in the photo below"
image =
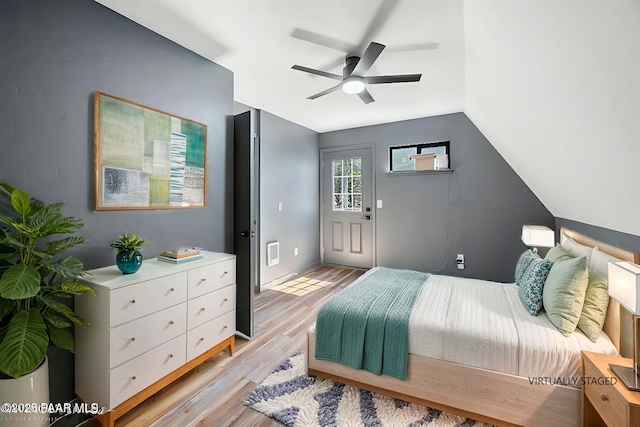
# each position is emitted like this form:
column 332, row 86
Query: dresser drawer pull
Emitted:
column 133, row 377
column 202, row 308
column 201, row 339
column 170, row 355
column 226, row 272
column 224, row 327
column 604, row 398
column 133, row 301
column 132, row 339
column 225, row 300
column 203, row 279
column 171, row 322
column 172, row 289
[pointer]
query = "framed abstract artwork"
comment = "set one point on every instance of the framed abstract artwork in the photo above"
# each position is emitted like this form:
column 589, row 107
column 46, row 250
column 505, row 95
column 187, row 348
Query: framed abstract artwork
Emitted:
column 146, row 158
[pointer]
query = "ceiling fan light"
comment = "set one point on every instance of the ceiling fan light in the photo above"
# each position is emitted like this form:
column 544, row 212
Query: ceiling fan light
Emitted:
column 353, row 85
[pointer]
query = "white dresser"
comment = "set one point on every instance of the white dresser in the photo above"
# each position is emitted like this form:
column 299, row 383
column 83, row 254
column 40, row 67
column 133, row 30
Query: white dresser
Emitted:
column 151, row 327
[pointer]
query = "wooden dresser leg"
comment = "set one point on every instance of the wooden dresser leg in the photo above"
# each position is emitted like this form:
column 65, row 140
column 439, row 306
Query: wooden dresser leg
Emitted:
column 232, row 345
column 107, row 419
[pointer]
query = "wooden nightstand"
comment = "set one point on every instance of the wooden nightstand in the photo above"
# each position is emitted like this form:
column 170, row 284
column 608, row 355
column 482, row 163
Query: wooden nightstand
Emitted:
column 605, row 399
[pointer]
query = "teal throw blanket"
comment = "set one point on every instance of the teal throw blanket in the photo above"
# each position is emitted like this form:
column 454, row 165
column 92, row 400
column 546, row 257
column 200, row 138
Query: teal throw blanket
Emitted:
column 366, row 325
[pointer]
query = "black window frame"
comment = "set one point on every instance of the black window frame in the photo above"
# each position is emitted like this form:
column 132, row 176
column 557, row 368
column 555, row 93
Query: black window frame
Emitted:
column 420, row 147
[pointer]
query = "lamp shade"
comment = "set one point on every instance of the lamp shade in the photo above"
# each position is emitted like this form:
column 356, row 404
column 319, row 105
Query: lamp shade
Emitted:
column 538, row 236
column 624, row 285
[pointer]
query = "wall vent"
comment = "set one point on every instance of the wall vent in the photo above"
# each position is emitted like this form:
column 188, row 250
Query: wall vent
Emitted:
column 273, row 253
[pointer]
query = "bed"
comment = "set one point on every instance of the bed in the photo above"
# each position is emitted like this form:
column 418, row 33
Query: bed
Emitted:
column 493, row 382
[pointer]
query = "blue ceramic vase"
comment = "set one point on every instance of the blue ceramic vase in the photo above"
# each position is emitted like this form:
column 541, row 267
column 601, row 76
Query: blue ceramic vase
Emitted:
column 129, row 261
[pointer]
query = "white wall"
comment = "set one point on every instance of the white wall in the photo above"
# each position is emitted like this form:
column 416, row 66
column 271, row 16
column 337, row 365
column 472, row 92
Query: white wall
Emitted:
column 555, row 86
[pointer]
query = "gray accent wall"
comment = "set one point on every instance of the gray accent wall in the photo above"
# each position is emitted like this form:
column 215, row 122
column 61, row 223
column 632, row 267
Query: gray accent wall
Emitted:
column 53, row 56
column 426, row 220
column 289, row 165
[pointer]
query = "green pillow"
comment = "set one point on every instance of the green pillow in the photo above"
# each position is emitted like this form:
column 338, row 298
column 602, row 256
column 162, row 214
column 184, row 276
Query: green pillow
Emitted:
column 558, row 253
column 596, row 302
column 523, row 262
column 564, row 292
column 532, row 283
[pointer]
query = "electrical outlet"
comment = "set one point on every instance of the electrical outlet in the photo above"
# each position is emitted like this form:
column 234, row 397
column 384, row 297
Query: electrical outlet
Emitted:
column 460, row 266
column 295, row 251
column 279, row 206
column 379, row 204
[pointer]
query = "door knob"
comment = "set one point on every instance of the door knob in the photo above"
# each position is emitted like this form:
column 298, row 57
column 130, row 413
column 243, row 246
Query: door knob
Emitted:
column 367, row 217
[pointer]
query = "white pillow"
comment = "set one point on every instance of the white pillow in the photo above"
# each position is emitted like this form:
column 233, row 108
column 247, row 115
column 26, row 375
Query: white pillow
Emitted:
column 577, row 250
column 600, row 261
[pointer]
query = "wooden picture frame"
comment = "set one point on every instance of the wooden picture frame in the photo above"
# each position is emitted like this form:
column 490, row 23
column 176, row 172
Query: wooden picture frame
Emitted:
column 146, row 158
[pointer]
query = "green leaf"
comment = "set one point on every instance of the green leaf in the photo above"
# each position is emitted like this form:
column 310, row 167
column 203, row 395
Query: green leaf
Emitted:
column 20, row 202
column 57, row 246
column 8, row 188
column 67, row 267
column 11, row 241
column 55, row 320
column 6, row 306
column 61, row 338
column 63, row 310
column 25, row 344
column 20, row 281
column 77, row 288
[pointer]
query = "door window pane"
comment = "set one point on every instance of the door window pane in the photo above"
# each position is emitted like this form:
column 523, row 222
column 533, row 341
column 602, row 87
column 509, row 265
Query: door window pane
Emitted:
column 347, row 184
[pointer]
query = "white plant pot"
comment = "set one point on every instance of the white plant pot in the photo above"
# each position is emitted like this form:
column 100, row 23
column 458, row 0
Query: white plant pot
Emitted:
column 17, row 393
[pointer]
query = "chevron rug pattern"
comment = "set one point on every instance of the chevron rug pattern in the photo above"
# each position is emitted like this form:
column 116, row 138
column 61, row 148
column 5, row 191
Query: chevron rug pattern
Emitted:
column 295, row 400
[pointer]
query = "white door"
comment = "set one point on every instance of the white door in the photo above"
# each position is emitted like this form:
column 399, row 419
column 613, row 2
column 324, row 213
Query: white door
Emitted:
column 346, row 208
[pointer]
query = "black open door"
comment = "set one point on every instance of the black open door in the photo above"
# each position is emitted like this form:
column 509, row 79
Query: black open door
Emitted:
column 246, row 215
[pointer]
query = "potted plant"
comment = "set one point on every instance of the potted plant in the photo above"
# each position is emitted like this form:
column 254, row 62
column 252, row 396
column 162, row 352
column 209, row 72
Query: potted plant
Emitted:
column 128, row 258
column 33, row 278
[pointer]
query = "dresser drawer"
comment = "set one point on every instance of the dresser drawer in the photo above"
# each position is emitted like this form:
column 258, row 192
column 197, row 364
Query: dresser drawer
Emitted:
column 211, row 305
column 211, row 277
column 140, row 299
column 138, row 336
column 139, row 373
column 211, row 333
column 605, row 399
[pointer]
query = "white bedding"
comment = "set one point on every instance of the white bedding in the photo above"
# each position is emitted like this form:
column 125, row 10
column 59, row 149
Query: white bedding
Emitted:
column 486, row 325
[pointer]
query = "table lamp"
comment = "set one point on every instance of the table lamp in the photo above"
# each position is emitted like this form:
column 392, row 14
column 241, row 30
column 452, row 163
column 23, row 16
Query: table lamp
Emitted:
column 538, row 236
column 624, row 287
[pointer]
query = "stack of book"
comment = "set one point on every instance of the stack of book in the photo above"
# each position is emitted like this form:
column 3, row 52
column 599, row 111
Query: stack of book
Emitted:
column 178, row 256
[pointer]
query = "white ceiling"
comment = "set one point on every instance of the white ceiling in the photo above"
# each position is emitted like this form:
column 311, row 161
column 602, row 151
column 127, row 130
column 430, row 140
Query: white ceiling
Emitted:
column 555, row 86
column 552, row 84
column 253, row 39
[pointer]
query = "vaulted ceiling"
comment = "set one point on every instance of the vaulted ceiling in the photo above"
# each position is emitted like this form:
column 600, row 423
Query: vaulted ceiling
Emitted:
column 552, row 84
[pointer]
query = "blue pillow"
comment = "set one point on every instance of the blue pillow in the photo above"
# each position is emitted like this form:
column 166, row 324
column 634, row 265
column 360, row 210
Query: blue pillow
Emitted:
column 523, row 262
column 532, row 283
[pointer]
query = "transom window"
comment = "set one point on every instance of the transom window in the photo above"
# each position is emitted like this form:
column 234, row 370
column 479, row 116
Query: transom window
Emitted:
column 400, row 155
column 347, row 184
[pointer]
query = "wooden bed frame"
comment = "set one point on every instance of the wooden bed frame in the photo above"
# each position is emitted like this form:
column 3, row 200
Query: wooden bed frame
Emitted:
column 488, row 396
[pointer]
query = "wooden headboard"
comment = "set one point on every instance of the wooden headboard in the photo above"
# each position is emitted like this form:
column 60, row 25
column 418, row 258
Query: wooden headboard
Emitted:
column 618, row 324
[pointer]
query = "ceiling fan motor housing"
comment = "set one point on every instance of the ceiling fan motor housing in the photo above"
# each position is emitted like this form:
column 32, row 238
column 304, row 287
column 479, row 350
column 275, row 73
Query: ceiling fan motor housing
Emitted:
column 351, row 63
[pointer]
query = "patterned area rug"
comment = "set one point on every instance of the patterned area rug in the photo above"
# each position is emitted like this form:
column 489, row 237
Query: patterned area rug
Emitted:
column 295, row 400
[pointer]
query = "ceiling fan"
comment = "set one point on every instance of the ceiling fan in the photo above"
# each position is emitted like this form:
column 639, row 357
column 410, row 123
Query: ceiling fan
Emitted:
column 353, row 79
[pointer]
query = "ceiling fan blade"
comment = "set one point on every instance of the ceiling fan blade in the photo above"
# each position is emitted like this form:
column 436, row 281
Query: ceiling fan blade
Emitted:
column 317, row 72
column 368, row 58
column 322, row 40
column 400, row 78
column 412, row 47
column 325, row 92
column 385, row 9
column 366, row 96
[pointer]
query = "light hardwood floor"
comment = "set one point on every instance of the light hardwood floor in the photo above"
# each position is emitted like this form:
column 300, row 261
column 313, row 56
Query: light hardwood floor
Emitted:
column 212, row 394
